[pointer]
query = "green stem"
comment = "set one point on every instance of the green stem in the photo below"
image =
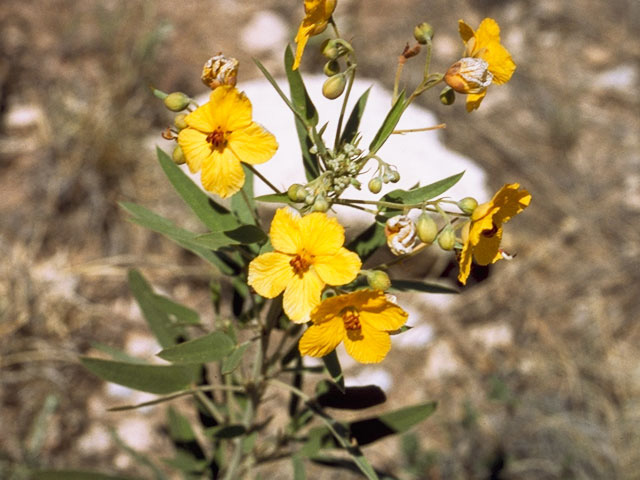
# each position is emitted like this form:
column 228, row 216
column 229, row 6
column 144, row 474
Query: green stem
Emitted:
column 343, row 110
column 210, row 406
column 247, row 201
column 395, row 206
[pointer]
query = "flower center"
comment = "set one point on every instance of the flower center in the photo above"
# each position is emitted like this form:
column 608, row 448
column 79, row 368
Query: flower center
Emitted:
column 351, row 318
column 217, row 139
column 490, row 233
column 300, row 264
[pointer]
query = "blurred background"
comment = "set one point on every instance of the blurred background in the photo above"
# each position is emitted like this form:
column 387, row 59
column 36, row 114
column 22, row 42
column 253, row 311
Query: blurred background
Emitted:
column 536, row 369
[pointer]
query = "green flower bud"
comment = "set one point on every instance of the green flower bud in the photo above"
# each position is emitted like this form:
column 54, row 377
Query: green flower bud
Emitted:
column 332, row 67
column 177, row 156
column 447, row 96
column 330, row 48
column 423, row 33
column 296, row 193
column 447, row 238
column 334, row 86
column 179, row 121
column 427, row 228
column 176, row 101
column 310, row 199
column 467, row 205
column 378, row 280
column 320, row 205
column 375, row 185
column 394, row 176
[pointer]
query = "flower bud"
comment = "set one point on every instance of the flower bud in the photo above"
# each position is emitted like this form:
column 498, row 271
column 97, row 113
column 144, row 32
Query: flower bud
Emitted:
column 179, row 121
column 447, row 96
column 296, row 193
column 332, row 67
column 394, row 176
column 447, row 238
column 375, row 185
column 176, row 101
column 331, row 48
column 378, row 280
column 320, row 204
column 427, row 228
column 220, row 70
column 309, row 199
column 334, row 86
column 469, row 75
column 177, row 156
column 423, row 33
column 467, row 204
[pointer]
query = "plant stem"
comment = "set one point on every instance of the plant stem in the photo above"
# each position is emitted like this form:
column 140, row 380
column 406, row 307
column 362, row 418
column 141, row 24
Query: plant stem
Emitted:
column 352, row 77
column 210, row 406
column 245, row 197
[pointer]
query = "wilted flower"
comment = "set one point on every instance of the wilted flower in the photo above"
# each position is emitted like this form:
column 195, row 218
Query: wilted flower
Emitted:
column 220, row 134
column 220, row 70
column 316, row 17
column 481, row 236
column 485, row 61
column 401, row 234
column 362, row 320
column 308, row 255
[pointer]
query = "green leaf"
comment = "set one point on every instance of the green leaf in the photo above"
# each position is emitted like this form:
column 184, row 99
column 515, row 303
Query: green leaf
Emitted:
column 352, row 398
column 372, row 429
column 332, row 365
column 299, row 472
column 187, row 463
column 161, row 326
column 420, row 286
column 209, row 348
column 189, row 456
column 213, row 215
column 367, row 242
column 244, row 235
column 179, row 427
column 230, row 363
column 160, row 379
column 389, row 124
column 226, row 431
column 353, row 124
column 184, row 238
column 421, row 194
column 274, row 198
column 177, row 312
column 116, row 354
column 243, row 212
column 73, row 475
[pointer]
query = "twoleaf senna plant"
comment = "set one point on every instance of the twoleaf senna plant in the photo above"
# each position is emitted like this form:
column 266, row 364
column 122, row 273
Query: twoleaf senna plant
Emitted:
column 299, row 286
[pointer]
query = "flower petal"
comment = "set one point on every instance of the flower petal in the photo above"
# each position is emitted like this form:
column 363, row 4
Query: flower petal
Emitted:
column 487, row 250
column 270, row 273
column 202, row 119
column 302, row 37
column 391, row 318
column 195, row 148
column 222, row 174
column 367, row 345
column 464, row 262
column 230, row 109
column 510, row 201
column 301, row 296
column 474, row 100
column 466, row 32
column 252, row 144
column 285, row 231
column 321, row 235
column 323, row 338
column 337, row 269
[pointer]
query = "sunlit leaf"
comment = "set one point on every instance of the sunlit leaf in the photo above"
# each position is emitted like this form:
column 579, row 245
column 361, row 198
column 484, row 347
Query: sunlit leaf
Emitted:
column 209, row 348
column 422, row 194
column 353, row 124
column 389, row 124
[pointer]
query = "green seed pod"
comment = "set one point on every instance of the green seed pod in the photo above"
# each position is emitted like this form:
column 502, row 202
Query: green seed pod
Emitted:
column 334, row 86
column 179, row 121
column 331, row 68
column 427, row 228
column 447, row 238
column 177, row 156
column 467, row 205
column 423, row 33
column 447, row 96
column 176, row 101
column 320, row 205
column 375, row 185
column 378, row 280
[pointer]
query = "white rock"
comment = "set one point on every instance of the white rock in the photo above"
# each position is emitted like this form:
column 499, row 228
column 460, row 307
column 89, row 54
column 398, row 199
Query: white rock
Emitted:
column 266, row 31
column 622, row 78
column 371, row 376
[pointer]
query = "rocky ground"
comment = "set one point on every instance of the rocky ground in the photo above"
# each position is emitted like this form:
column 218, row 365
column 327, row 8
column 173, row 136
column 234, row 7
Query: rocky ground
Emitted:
column 535, row 368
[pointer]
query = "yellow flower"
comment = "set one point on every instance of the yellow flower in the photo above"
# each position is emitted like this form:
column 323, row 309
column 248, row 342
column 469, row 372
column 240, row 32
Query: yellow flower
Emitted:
column 362, row 320
column 316, row 17
column 219, row 135
column 486, row 61
column 482, row 235
column 308, row 255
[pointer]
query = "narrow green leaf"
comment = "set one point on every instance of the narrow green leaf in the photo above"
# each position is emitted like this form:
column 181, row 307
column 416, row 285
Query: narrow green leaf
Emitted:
column 230, row 363
column 332, row 365
column 352, row 398
column 213, row 215
column 244, row 235
column 389, row 124
column 372, row 429
column 245, row 213
column 177, row 312
column 299, row 472
column 190, row 465
column 274, row 198
column 209, row 348
column 116, row 354
column 73, row 475
column 367, row 242
column 226, row 431
column 422, row 194
column 353, row 124
column 189, row 456
column 179, row 427
column 160, row 379
column 420, row 286
column 184, row 238
column 157, row 319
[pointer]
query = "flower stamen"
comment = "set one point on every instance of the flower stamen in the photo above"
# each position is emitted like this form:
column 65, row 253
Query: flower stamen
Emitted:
column 351, row 319
column 217, row 139
column 300, row 264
